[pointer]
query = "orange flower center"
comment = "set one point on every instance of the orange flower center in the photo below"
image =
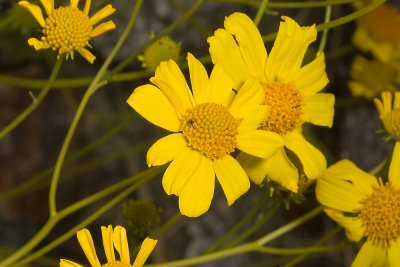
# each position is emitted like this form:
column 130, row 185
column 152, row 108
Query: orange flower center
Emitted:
column 285, row 103
column 67, row 29
column 116, row 264
column 210, row 129
column 381, row 215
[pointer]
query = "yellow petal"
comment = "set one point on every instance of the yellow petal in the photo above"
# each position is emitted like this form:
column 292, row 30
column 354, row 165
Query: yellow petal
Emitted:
column 101, row 14
column 259, row 143
column 253, row 120
column 250, row 43
column 252, row 166
column 311, row 78
column 73, row 3
column 87, row 7
column 394, row 169
column 67, row 263
column 250, row 94
column 232, row 178
column 172, row 83
column 197, row 193
column 370, row 255
column 48, row 6
column 393, row 253
column 107, row 236
column 180, row 170
column 35, row 11
column 154, row 106
column 313, row 161
column 354, row 227
column 102, row 28
column 199, row 78
column 145, row 249
column 86, row 54
column 38, row 44
column 288, row 51
column 121, row 243
column 165, row 149
column 86, row 242
column 318, row 109
column 221, row 86
column 225, row 51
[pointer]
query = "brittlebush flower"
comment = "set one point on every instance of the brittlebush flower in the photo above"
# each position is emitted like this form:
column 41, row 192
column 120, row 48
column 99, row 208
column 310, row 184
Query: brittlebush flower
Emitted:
column 389, row 112
column 291, row 92
column 209, row 124
column 67, row 29
column 112, row 238
column 367, row 207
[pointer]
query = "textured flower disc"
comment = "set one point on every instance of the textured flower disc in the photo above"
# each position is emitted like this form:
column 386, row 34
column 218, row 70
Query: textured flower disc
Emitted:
column 285, row 104
column 210, row 129
column 381, row 215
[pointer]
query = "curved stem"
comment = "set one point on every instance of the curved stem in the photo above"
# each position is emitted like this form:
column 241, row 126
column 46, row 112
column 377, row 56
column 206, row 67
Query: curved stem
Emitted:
column 260, row 12
column 299, row 4
column 85, row 99
column 36, row 100
column 324, row 38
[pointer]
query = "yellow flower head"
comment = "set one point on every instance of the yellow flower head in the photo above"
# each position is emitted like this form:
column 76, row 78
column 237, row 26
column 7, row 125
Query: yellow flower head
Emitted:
column 291, row 92
column 366, row 207
column 111, row 239
column 208, row 123
column 67, row 29
column 389, row 111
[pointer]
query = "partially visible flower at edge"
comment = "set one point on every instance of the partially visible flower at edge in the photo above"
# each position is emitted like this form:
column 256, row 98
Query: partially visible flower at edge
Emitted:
column 291, row 92
column 367, row 207
column 117, row 239
column 208, row 124
column 67, row 29
column 389, row 112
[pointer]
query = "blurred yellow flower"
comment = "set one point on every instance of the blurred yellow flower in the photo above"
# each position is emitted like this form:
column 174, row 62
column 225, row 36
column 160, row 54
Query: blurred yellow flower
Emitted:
column 291, row 92
column 389, row 112
column 365, row 207
column 111, row 239
column 209, row 124
column 67, row 29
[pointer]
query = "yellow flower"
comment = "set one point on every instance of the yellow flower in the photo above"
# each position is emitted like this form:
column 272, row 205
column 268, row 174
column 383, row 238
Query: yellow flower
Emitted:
column 111, row 239
column 209, row 124
column 67, row 28
column 366, row 207
column 291, row 92
column 389, row 112
column 370, row 77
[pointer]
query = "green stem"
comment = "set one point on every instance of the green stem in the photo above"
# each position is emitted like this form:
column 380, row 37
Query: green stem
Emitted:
column 324, row 38
column 296, row 251
column 260, row 12
column 85, row 99
column 167, row 225
column 36, row 101
column 284, row 5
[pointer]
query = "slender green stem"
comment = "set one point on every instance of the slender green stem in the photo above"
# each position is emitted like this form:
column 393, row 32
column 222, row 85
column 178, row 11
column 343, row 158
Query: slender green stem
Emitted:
column 36, row 101
column 168, row 224
column 285, row 5
column 304, row 250
column 85, row 99
column 324, row 38
column 260, row 12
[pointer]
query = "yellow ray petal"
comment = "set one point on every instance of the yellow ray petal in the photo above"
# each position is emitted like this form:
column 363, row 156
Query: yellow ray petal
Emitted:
column 225, row 51
column 393, row 253
column 394, row 169
column 102, row 28
column 197, row 193
column 38, row 44
column 221, row 86
column 250, row 94
column 253, row 166
column 250, row 43
column 354, row 227
column 199, row 78
column 253, row 119
column 107, row 236
column 311, row 78
column 145, row 249
column 165, row 149
column 34, row 10
column 86, row 242
column 121, row 243
column 67, row 263
column 87, row 7
column 370, row 255
column 73, row 3
column 259, row 143
column 48, row 6
column 319, row 109
column 288, row 51
column 232, row 178
column 153, row 105
column 101, row 14
column 313, row 161
column 86, row 54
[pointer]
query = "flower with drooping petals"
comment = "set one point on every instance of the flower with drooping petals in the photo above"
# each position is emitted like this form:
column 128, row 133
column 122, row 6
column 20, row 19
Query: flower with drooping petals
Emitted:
column 389, row 112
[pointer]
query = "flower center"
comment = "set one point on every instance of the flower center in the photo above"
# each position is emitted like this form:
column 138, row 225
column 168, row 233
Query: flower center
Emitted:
column 116, row 264
column 381, row 215
column 285, row 104
column 67, row 29
column 392, row 122
column 210, row 129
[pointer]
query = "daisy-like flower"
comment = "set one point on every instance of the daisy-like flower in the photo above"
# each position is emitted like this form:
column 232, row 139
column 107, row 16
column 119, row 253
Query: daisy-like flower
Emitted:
column 291, row 92
column 209, row 124
column 389, row 111
column 365, row 207
column 111, row 239
column 67, row 29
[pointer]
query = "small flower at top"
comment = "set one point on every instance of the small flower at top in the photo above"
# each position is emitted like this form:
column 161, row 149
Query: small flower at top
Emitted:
column 67, row 29
column 366, row 207
column 208, row 123
column 389, row 113
column 291, row 92
column 112, row 238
